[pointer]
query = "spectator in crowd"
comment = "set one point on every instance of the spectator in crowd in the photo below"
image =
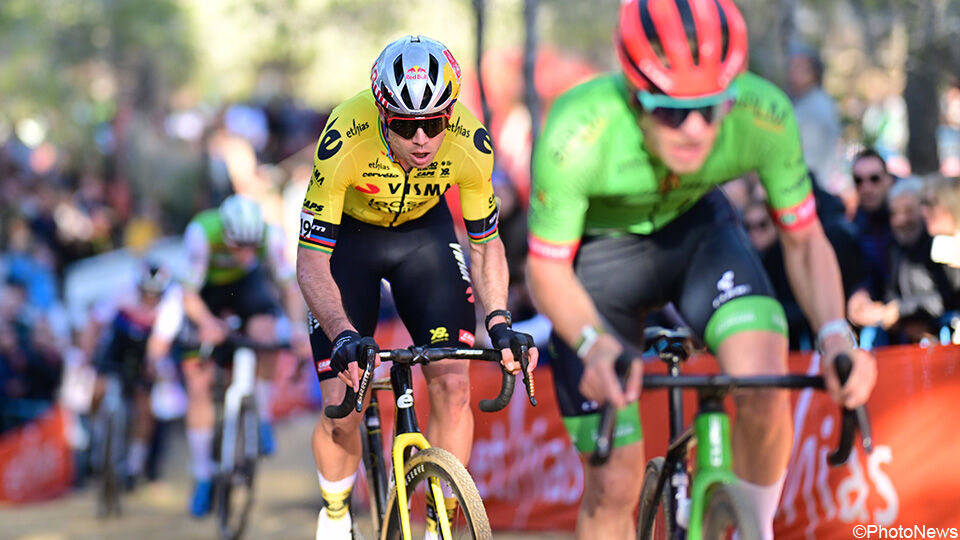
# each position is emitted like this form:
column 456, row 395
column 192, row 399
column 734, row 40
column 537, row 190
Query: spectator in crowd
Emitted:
column 816, row 116
column 873, row 181
column 918, row 291
column 941, row 213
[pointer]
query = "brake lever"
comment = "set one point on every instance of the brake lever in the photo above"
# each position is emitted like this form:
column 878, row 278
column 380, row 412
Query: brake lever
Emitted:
column 369, row 355
column 527, row 377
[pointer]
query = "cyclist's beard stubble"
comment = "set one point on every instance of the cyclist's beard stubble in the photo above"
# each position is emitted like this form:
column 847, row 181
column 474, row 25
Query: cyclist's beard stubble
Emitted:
column 417, row 151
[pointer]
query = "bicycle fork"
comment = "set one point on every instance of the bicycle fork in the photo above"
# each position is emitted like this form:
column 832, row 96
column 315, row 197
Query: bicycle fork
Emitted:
column 241, row 388
column 409, row 437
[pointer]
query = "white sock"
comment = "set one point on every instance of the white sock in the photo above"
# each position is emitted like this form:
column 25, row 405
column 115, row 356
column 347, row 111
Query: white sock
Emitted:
column 765, row 500
column 201, row 447
column 264, row 391
column 337, row 495
column 136, row 456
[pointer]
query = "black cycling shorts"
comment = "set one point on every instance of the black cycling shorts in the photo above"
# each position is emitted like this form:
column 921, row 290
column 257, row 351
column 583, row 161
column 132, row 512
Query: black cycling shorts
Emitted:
column 428, row 276
column 702, row 261
column 253, row 295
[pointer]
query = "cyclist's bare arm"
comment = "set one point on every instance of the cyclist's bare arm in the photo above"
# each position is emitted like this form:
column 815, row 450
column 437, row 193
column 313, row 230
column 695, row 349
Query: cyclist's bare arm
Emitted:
column 491, row 278
column 814, row 275
column 321, row 292
column 558, row 294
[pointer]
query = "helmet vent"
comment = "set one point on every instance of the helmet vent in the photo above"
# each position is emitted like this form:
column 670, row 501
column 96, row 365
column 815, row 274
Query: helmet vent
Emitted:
column 427, row 94
column 724, row 30
column 689, row 28
column 387, row 96
column 434, row 70
column 405, row 96
column 446, row 94
column 650, row 30
column 398, row 71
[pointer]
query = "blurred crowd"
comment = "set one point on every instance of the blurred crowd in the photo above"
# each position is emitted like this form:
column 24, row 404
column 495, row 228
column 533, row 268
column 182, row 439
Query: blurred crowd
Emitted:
column 154, row 171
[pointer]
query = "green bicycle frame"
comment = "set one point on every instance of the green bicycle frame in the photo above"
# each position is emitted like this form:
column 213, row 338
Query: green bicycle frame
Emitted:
column 714, row 464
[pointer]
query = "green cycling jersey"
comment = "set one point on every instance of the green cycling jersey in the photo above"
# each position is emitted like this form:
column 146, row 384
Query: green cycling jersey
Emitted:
column 593, row 175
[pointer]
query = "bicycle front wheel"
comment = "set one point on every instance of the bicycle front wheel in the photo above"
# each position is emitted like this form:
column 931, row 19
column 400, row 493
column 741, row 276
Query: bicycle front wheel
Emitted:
column 233, row 493
column 469, row 519
column 727, row 511
column 656, row 513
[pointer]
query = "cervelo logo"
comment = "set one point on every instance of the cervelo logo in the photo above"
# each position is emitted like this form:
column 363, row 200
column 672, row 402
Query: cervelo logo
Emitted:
column 416, row 73
column 369, row 189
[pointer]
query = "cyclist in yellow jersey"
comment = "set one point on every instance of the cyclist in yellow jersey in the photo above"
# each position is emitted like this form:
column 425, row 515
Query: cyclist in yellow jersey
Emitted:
column 375, row 211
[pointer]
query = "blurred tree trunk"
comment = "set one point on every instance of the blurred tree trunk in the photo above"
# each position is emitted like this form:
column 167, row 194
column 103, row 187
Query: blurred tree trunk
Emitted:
column 530, row 97
column 479, row 10
column 921, row 93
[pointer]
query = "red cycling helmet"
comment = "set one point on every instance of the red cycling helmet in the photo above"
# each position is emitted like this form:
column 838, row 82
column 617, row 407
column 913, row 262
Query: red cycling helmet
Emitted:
column 681, row 48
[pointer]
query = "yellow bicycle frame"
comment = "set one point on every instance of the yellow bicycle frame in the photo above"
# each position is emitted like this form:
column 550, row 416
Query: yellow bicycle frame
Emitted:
column 400, row 443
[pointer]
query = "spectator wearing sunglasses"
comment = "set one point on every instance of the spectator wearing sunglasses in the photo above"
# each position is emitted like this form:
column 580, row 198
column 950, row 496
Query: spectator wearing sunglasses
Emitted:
column 626, row 216
column 873, row 182
column 375, row 211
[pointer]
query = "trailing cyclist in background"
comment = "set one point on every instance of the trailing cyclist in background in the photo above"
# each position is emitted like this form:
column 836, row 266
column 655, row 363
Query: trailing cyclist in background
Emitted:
column 375, row 210
column 233, row 255
column 625, row 216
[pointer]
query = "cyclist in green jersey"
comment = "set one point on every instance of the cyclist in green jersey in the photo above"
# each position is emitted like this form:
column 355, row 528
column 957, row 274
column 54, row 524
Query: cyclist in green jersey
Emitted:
column 233, row 254
column 625, row 216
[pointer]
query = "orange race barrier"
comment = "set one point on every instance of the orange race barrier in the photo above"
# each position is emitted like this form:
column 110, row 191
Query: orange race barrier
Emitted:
column 35, row 460
column 531, row 478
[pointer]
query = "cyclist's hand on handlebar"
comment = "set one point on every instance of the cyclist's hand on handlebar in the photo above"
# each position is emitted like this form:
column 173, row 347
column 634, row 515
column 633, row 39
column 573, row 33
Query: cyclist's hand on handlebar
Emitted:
column 862, row 379
column 347, row 354
column 600, row 382
column 505, row 339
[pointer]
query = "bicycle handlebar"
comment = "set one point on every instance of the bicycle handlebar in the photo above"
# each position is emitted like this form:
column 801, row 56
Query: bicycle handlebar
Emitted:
column 353, row 400
column 851, row 420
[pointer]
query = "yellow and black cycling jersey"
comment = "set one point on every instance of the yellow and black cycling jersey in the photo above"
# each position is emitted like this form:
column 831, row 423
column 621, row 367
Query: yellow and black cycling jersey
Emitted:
column 354, row 173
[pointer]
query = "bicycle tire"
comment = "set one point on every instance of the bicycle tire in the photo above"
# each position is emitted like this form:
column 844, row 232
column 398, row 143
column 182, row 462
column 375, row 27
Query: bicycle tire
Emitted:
column 376, row 476
column 108, row 502
column 656, row 520
column 438, row 463
column 234, row 491
column 727, row 510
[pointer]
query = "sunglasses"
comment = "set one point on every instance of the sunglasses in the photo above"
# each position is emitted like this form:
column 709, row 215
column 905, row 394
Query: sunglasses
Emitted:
column 673, row 112
column 407, row 126
column 873, row 178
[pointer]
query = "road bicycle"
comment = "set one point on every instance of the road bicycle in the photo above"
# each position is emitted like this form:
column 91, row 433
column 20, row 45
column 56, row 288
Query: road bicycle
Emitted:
column 420, row 473
column 677, row 503
column 236, row 442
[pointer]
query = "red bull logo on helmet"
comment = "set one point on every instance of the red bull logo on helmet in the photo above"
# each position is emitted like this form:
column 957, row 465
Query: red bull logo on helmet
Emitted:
column 416, row 73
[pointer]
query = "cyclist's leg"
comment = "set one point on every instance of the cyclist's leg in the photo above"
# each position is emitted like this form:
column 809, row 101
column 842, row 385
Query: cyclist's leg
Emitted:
column 619, row 275
column 434, row 298
column 199, row 423
column 258, row 306
column 336, row 443
column 727, row 298
column 142, row 430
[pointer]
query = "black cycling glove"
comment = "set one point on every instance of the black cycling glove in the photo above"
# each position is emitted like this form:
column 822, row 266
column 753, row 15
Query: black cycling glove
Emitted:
column 348, row 348
column 504, row 337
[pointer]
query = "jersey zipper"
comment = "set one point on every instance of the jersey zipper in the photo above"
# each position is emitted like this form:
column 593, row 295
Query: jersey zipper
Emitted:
column 403, row 196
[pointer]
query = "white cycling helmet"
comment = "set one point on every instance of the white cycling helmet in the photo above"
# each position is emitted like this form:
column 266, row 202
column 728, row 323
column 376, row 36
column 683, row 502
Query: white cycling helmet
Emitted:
column 415, row 76
column 242, row 221
column 154, row 278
